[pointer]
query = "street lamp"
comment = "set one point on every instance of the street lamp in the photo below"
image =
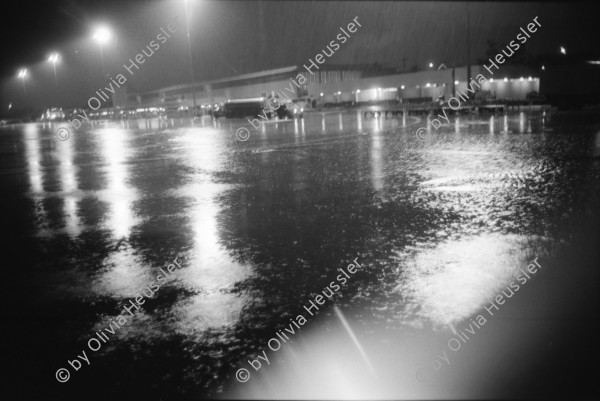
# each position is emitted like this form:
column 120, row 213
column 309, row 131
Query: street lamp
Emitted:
column 430, row 65
column 189, row 42
column 102, row 35
column 563, row 50
column 54, row 59
column 22, row 74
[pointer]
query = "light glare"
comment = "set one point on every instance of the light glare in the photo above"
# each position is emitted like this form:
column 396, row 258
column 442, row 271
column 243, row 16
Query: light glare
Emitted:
column 102, row 35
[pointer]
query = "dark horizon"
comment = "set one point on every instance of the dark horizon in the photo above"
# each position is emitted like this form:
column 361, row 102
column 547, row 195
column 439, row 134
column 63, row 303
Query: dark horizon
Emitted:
column 232, row 38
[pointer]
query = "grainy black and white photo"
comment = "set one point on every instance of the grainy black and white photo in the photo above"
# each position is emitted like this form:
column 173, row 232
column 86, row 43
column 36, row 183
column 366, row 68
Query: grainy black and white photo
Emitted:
column 300, row 200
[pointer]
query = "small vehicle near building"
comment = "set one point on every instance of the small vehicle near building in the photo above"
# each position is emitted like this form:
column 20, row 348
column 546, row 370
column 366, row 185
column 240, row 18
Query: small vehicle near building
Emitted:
column 53, row 114
column 268, row 107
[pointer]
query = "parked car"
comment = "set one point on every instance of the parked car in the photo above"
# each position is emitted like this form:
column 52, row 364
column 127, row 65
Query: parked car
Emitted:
column 298, row 107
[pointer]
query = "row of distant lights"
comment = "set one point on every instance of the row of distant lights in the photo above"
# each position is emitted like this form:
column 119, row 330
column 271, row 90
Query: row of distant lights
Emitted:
column 102, row 35
column 427, row 85
column 562, row 50
column 23, row 72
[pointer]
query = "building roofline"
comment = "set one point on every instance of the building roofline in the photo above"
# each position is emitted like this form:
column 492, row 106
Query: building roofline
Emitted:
column 282, row 70
column 226, row 79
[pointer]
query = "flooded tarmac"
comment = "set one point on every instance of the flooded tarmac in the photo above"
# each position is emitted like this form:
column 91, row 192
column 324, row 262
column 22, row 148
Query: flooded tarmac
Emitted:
column 440, row 226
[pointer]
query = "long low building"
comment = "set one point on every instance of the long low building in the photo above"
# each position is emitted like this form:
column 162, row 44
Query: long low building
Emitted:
column 340, row 83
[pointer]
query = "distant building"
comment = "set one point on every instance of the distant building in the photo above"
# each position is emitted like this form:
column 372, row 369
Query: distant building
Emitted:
column 340, row 83
column 510, row 82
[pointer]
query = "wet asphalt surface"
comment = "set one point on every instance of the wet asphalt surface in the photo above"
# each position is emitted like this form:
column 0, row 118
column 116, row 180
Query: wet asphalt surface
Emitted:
column 440, row 225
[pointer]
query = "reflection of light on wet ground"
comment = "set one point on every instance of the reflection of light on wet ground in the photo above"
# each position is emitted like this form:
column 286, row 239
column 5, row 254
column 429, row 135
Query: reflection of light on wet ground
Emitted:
column 125, row 276
column 115, row 149
column 302, row 131
column 210, row 269
column 31, row 139
column 68, row 179
column 72, row 223
column 216, row 310
column 66, row 168
column 377, row 162
column 455, row 279
column 64, row 165
column 521, row 122
column 33, row 153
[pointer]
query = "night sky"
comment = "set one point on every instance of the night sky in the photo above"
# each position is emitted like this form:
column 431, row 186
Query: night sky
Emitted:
column 234, row 37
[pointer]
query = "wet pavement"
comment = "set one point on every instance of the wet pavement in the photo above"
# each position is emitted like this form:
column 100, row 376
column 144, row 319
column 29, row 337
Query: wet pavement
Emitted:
column 440, row 225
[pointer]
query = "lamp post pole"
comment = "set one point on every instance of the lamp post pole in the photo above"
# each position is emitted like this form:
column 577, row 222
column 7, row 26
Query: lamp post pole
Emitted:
column 189, row 43
column 468, row 47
